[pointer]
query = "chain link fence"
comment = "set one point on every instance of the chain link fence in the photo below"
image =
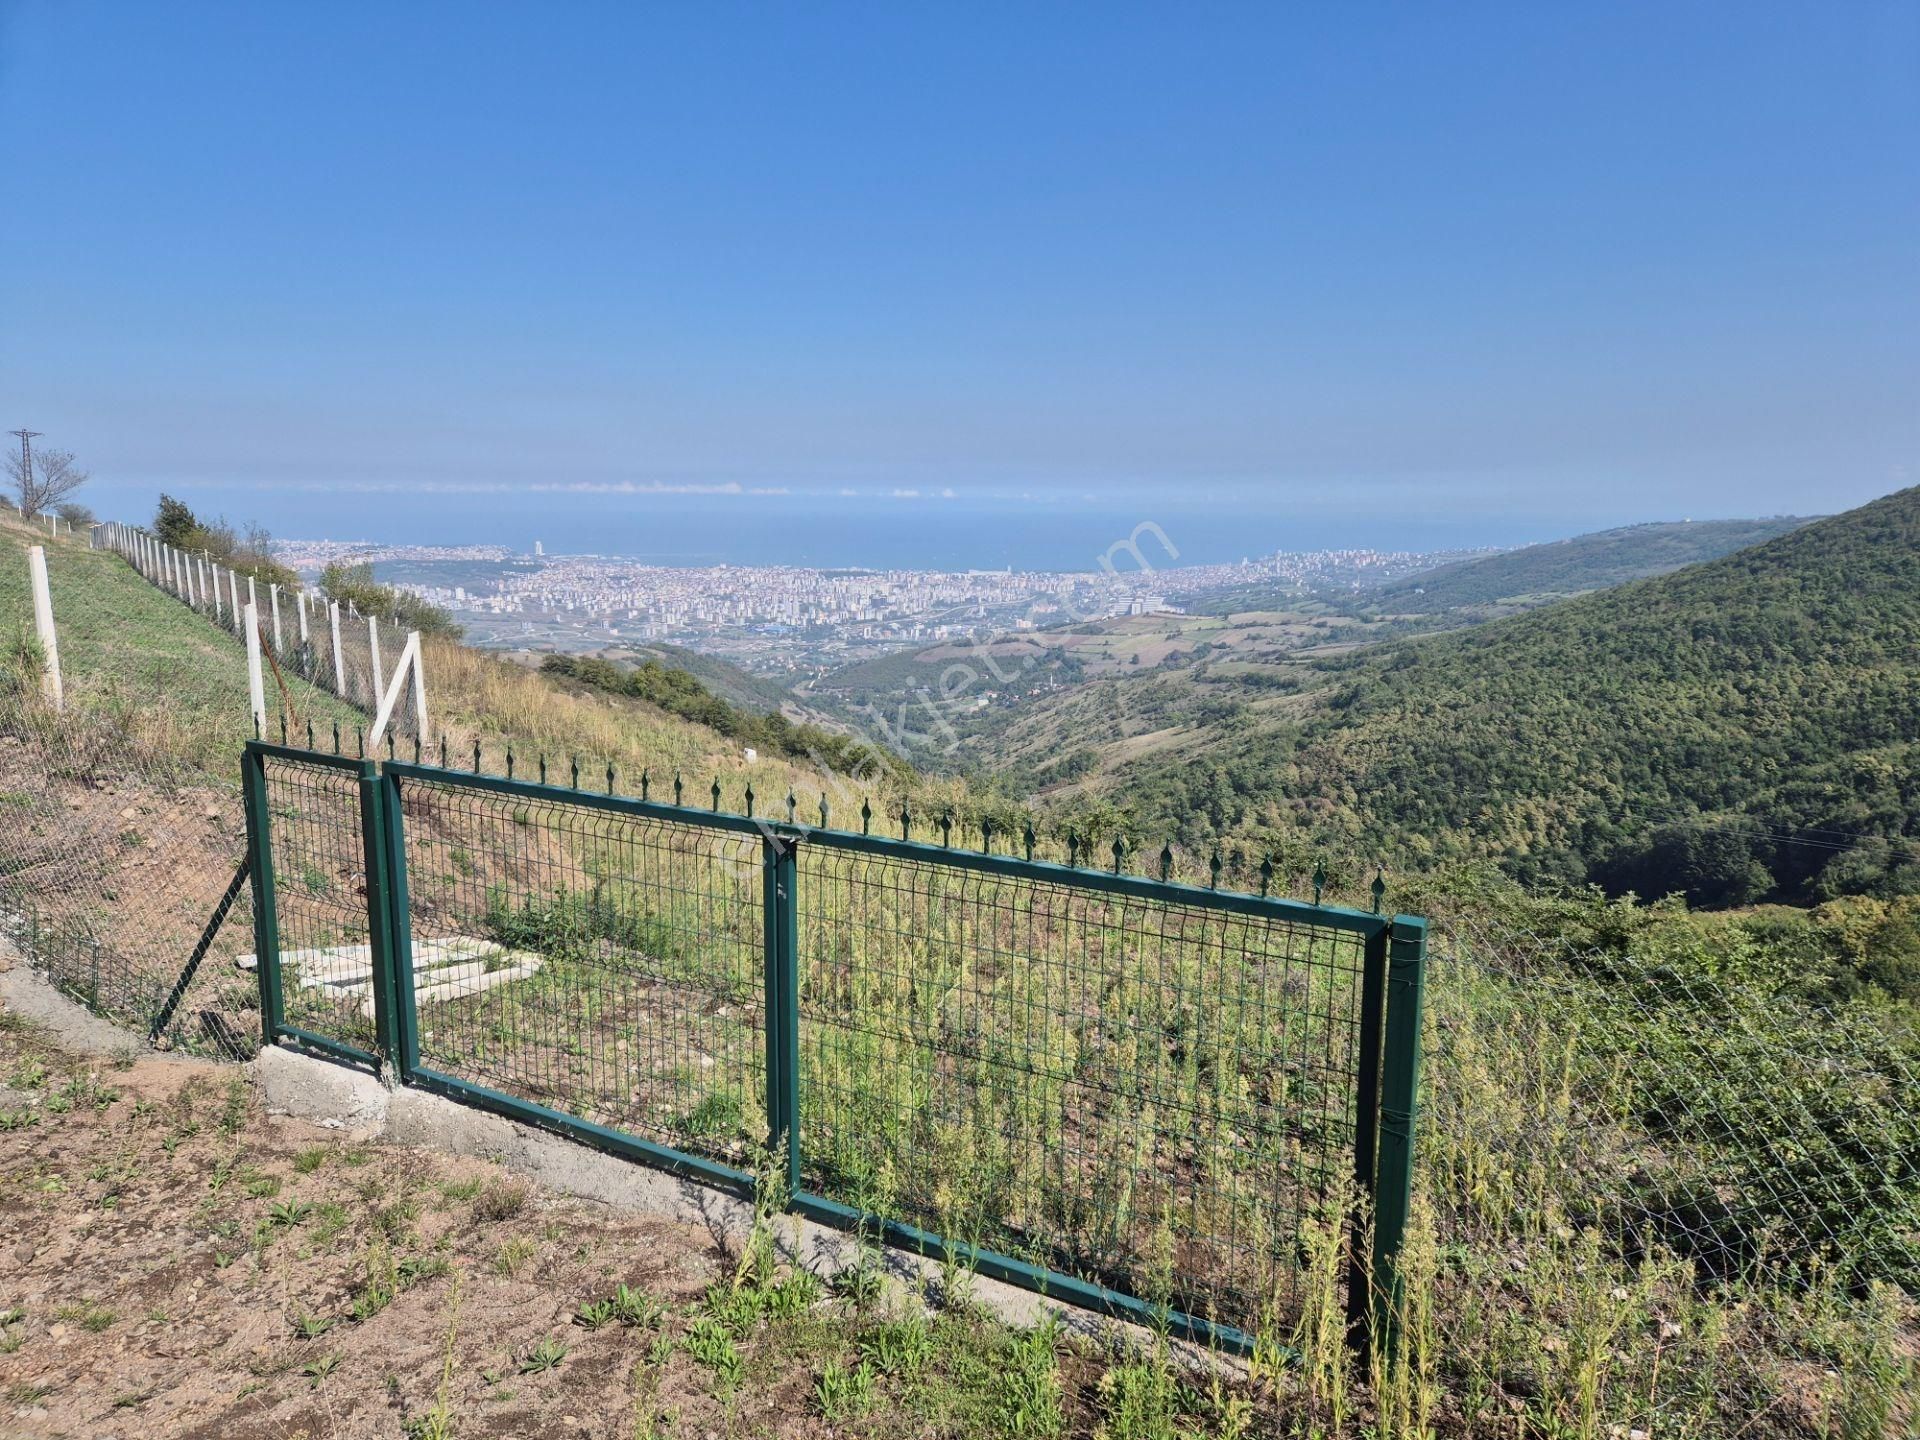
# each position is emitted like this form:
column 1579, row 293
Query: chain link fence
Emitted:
column 1758, row 1150
column 120, row 882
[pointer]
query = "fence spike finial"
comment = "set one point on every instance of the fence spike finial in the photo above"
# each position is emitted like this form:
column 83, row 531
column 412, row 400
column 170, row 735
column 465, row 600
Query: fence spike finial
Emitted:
column 574, row 762
column 476, row 754
column 509, row 762
column 866, row 816
column 1213, row 868
column 416, row 748
column 360, row 742
column 1029, row 839
column 646, row 781
column 946, row 829
column 1379, row 886
column 543, row 767
column 389, row 743
column 793, row 805
column 610, row 777
column 336, row 737
column 906, row 821
column 1119, row 853
column 716, row 797
column 986, row 834
column 1073, row 848
column 823, row 810
column 283, row 727
column 443, row 750
column 1266, row 874
column 676, row 787
column 1166, row 862
column 1319, row 879
column 716, row 794
column 309, row 732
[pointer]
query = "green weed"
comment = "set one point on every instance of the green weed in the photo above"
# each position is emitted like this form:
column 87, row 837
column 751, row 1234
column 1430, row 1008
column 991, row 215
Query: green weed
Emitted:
column 543, row 1357
column 841, row 1393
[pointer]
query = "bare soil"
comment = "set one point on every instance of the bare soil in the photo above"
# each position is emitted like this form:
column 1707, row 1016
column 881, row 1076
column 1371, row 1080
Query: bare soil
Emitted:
column 176, row 1262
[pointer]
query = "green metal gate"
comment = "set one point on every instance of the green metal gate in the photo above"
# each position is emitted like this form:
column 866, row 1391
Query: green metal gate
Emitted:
column 1129, row 1092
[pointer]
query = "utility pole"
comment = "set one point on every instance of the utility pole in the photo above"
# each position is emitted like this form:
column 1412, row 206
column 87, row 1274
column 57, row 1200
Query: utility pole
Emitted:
column 27, row 437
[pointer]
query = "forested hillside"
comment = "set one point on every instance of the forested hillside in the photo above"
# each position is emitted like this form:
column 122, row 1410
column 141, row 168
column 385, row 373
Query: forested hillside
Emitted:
column 1570, row 567
column 1736, row 730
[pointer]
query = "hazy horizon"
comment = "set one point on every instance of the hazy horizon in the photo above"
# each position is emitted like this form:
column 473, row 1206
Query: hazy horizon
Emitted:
column 1400, row 279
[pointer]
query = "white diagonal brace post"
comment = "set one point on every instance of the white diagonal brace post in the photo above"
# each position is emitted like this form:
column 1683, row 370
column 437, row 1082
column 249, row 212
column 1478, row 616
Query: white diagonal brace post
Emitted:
column 419, row 686
column 390, row 698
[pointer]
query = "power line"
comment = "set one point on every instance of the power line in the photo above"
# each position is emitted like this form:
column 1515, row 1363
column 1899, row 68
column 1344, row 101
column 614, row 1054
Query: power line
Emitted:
column 27, row 437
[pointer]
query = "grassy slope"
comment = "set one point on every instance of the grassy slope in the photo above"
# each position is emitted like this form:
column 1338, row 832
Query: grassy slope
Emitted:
column 179, row 684
column 1567, row 567
column 130, row 647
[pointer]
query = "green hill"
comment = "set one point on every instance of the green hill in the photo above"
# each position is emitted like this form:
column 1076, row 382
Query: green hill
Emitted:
column 1570, row 567
column 1732, row 730
column 732, row 683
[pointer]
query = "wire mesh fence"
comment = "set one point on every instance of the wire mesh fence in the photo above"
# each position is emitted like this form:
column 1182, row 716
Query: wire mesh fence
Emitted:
column 120, row 883
column 1104, row 1083
column 1748, row 1132
column 316, row 867
column 1758, row 1150
column 600, row 964
column 1140, row 1089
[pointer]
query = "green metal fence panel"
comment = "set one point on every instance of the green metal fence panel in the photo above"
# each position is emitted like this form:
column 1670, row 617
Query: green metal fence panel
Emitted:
column 318, row 910
column 1131, row 1093
column 782, row 1005
column 1145, row 1090
column 602, row 965
column 1399, row 1107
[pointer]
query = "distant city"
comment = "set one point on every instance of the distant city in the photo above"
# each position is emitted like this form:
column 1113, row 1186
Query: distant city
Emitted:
column 781, row 619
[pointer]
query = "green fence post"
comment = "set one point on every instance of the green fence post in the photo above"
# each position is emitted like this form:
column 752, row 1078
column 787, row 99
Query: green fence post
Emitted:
column 400, row 933
column 373, row 844
column 1399, row 1106
column 1366, row 1131
column 266, row 924
column 782, row 1002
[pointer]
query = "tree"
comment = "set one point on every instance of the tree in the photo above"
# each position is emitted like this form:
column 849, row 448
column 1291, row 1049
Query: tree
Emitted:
column 75, row 514
column 355, row 585
column 175, row 524
column 43, row 481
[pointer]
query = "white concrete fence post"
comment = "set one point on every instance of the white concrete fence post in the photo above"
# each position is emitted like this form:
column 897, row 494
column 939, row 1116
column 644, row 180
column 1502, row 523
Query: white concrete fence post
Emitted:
column 43, row 625
column 256, row 686
column 373, row 647
column 339, row 661
column 273, row 596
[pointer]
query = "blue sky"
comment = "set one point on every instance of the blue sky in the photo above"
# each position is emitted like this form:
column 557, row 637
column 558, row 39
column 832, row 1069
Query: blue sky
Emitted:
column 1363, row 271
